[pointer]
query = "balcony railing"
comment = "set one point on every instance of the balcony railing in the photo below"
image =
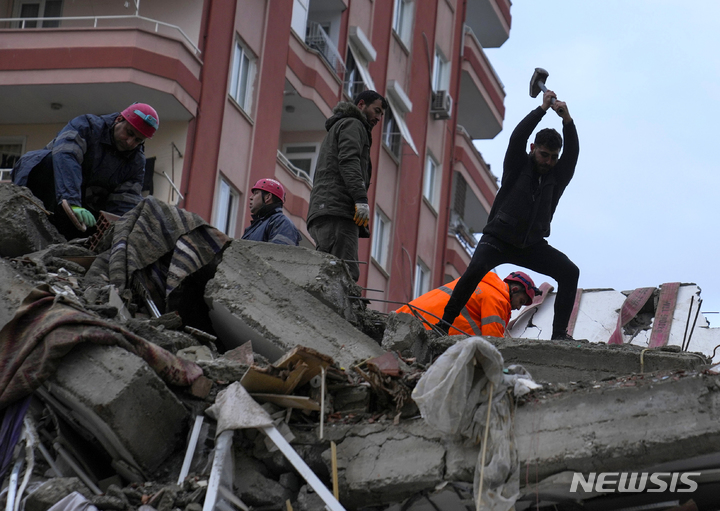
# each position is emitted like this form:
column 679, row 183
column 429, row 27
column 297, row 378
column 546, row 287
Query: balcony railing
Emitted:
column 299, row 173
column 317, row 39
column 96, row 21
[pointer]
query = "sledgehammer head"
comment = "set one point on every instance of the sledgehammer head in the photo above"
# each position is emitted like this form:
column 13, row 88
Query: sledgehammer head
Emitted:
column 537, row 82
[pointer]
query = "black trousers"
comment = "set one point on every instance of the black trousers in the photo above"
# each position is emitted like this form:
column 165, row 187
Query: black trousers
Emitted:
column 540, row 257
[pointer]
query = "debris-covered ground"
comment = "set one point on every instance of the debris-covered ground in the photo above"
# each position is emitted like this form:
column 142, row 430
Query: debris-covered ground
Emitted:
column 122, row 351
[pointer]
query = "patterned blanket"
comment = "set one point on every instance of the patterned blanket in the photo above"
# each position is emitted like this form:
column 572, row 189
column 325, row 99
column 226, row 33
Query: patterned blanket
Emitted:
column 46, row 327
column 155, row 246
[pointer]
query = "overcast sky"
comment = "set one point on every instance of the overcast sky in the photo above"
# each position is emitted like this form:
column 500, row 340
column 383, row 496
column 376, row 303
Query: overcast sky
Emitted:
column 641, row 79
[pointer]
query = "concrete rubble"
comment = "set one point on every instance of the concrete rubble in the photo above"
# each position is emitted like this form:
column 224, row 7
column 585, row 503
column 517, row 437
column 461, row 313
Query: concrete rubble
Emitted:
column 114, row 430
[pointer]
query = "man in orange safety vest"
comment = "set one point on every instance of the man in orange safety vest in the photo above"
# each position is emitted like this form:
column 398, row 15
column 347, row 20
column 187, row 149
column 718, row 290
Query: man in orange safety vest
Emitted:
column 488, row 310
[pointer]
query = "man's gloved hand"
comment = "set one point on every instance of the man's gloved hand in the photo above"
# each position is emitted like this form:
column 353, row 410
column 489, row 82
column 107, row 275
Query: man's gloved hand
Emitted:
column 362, row 214
column 84, row 216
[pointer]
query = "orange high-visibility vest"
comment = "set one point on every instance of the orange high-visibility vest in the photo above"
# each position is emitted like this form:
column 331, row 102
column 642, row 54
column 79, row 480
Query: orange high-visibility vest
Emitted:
column 486, row 313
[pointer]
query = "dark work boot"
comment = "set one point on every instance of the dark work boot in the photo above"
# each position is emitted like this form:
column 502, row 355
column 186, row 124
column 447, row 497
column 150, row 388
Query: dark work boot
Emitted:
column 563, row 336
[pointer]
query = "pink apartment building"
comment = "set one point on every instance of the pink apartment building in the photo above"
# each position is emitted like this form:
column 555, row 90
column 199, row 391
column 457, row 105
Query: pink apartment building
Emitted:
column 243, row 89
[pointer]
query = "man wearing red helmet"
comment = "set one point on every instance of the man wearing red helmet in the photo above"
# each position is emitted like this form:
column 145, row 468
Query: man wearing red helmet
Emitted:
column 94, row 163
column 268, row 221
column 487, row 312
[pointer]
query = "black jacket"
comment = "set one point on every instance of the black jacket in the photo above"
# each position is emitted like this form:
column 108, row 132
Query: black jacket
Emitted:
column 526, row 202
column 342, row 174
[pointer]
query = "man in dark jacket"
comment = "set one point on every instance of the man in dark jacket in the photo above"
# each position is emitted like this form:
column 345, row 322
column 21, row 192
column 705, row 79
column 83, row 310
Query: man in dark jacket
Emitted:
column 94, row 163
column 519, row 220
column 268, row 221
column 339, row 212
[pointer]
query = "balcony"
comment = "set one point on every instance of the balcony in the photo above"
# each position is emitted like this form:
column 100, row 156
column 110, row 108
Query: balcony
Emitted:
column 77, row 63
column 482, row 94
column 490, row 20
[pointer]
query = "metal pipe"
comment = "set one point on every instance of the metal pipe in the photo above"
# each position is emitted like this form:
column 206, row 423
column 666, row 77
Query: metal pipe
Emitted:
column 694, row 321
column 687, row 323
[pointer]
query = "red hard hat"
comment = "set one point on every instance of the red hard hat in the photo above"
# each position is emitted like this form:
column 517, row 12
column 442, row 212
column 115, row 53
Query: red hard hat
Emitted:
column 271, row 186
column 143, row 118
column 526, row 282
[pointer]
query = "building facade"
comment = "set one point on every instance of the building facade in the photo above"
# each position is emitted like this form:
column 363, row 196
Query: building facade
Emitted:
column 243, row 90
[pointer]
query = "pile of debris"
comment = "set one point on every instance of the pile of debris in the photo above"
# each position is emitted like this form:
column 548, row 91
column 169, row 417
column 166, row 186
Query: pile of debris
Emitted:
column 250, row 376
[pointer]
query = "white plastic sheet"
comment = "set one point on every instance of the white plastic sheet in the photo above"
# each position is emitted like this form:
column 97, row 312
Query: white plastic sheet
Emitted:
column 453, row 396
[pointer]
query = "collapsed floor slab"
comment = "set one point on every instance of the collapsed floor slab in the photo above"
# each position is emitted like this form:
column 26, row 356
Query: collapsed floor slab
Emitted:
column 117, row 397
column 561, row 361
column 627, row 424
column 250, row 300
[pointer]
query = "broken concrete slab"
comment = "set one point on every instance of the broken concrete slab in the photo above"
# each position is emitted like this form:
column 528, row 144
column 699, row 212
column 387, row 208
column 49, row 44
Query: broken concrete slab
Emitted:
column 402, row 332
column 562, row 361
column 250, row 300
column 320, row 274
column 620, row 425
column 53, row 491
column 120, row 400
column 24, row 224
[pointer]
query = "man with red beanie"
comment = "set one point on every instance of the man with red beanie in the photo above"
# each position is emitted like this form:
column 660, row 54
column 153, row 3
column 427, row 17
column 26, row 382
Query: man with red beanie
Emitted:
column 487, row 312
column 268, row 221
column 95, row 163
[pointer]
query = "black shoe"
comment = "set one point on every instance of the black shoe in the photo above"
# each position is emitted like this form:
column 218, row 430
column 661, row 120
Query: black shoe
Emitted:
column 562, row 337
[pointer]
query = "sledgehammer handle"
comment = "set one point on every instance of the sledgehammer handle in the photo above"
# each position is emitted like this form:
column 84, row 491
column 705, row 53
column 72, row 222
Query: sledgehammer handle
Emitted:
column 542, row 87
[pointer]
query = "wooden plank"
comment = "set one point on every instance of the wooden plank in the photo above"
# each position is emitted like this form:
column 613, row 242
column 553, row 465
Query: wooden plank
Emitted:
column 315, row 361
column 257, row 380
column 301, row 402
column 664, row 314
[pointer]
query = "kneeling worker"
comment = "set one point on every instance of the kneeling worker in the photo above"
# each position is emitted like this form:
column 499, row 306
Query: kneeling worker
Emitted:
column 488, row 310
column 268, row 221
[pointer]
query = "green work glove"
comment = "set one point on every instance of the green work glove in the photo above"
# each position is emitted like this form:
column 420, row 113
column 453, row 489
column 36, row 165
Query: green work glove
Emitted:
column 362, row 214
column 84, row 215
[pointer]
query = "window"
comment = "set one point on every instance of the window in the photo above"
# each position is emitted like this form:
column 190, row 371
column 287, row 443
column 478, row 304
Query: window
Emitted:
column 303, row 157
column 391, row 136
column 381, row 238
column 39, row 9
column 227, row 207
column 440, row 72
column 353, row 83
column 422, row 279
column 430, row 184
column 11, row 148
column 402, row 20
column 242, row 76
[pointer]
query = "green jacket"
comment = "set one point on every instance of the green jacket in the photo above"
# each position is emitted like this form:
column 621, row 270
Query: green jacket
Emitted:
column 343, row 171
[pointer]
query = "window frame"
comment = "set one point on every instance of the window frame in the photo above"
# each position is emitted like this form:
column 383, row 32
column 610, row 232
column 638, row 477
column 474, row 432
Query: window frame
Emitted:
column 403, row 13
column 380, row 248
column 42, row 12
column 390, row 136
column 313, row 156
column 240, row 50
column 226, row 207
column 423, row 278
column 441, row 72
column 11, row 141
column 430, row 183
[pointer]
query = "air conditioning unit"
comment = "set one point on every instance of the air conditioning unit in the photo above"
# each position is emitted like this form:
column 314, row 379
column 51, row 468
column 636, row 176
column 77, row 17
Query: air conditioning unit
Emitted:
column 441, row 104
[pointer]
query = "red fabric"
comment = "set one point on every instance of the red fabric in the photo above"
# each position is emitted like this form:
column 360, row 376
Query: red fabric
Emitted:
column 46, row 327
